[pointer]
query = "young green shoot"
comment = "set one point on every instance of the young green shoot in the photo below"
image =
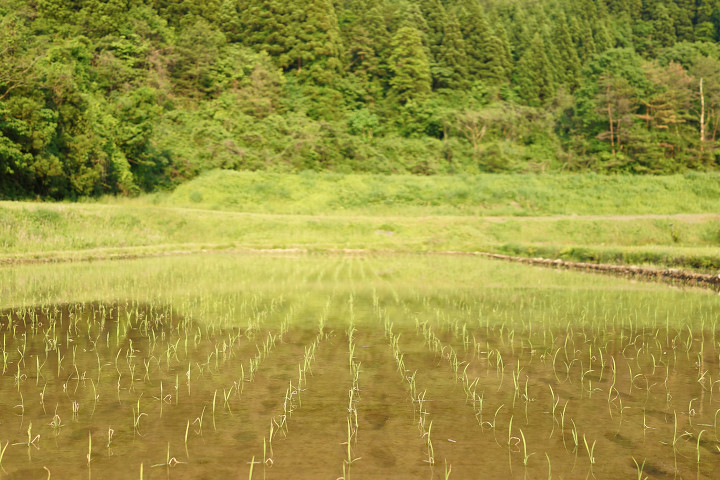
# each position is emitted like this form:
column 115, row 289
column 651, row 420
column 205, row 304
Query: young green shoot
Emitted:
column 640, row 468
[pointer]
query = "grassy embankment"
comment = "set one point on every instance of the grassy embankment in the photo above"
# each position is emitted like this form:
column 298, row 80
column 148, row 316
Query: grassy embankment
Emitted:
column 666, row 221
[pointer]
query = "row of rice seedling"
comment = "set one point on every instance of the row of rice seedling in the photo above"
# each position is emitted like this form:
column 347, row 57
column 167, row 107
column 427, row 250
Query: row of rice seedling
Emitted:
column 483, row 369
column 590, row 376
column 353, row 395
column 144, row 377
column 420, row 402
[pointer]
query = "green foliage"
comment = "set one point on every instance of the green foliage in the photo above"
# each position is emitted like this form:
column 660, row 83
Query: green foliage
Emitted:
column 124, row 96
column 535, row 78
column 195, row 66
column 367, row 41
column 481, row 194
column 567, row 53
column 409, row 66
column 487, row 51
column 452, row 66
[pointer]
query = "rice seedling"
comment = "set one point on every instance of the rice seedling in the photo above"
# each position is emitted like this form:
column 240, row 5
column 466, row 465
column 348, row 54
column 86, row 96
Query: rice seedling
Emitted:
column 553, row 406
column 697, row 446
column 492, row 424
column 31, row 440
column 640, row 468
column 547, row 457
column 199, row 421
column 574, row 434
column 590, row 450
column 598, row 354
column 2, row 454
column 110, row 435
column 213, row 409
column 526, row 456
column 169, row 461
column 137, row 416
column 430, row 450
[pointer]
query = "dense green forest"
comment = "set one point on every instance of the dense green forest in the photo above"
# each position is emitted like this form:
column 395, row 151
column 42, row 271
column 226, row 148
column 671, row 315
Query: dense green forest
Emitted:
column 123, row 96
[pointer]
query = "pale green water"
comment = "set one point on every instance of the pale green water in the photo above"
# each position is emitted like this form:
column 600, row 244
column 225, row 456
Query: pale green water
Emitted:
column 127, row 359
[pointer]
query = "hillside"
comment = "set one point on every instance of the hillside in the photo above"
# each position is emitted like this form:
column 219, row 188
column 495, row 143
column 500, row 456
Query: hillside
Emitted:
column 125, row 96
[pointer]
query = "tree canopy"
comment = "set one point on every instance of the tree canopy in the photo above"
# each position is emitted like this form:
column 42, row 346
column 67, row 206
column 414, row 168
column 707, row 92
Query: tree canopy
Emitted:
column 124, row 96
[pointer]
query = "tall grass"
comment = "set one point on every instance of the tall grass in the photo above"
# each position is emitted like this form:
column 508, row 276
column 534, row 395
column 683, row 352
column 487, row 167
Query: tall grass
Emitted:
column 58, row 231
column 577, row 217
column 484, row 194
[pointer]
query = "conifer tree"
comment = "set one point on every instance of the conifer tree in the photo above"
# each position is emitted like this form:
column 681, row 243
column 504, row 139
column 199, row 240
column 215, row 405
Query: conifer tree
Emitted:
column 534, row 74
column 197, row 49
column 368, row 41
column 504, row 49
column 436, row 19
column 602, row 38
column 616, row 101
column 377, row 27
column 664, row 28
column 585, row 40
column 682, row 12
column 475, row 31
column 587, row 9
column 317, row 44
column 264, row 25
column 524, row 26
column 180, row 11
column 487, row 54
column 302, row 38
column 453, row 58
column 602, row 10
column 616, row 6
column 568, row 59
column 412, row 17
column 409, row 65
column 704, row 27
column 632, row 8
column 229, row 18
column 704, row 10
column 715, row 19
column 553, row 56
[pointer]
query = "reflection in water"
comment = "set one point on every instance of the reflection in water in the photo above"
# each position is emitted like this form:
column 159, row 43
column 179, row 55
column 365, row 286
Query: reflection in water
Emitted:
column 420, row 381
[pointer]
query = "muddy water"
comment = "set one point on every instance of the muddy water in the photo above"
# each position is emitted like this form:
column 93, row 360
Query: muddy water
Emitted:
column 140, row 387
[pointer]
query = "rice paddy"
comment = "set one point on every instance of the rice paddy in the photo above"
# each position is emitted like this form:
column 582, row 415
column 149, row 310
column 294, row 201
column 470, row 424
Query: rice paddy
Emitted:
column 251, row 366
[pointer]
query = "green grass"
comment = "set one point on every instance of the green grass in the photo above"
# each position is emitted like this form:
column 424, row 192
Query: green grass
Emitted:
column 690, row 258
column 668, row 222
column 484, row 194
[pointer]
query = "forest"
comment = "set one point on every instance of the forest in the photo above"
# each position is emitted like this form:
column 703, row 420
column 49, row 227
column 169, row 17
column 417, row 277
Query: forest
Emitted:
column 126, row 96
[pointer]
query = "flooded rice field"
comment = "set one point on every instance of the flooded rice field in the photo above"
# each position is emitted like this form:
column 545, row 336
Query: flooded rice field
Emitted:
column 353, row 367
